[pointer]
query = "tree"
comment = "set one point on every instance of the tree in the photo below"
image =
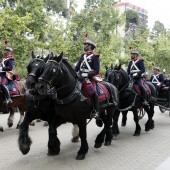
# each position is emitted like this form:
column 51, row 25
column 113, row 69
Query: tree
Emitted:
column 158, row 29
column 132, row 17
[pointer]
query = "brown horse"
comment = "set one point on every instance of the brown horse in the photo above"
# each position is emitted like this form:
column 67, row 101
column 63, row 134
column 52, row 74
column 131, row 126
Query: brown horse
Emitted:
column 17, row 101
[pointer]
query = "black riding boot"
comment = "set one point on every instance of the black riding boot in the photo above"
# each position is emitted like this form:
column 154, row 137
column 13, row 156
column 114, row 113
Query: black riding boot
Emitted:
column 7, row 95
column 95, row 112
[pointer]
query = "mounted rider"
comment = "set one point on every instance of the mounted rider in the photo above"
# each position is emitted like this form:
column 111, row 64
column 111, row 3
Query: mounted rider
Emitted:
column 135, row 69
column 156, row 78
column 88, row 66
column 6, row 67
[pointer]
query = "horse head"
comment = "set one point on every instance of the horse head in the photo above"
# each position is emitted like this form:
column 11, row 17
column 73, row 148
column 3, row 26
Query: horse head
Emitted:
column 116, row 76
column 56, row 73
column 34, row 69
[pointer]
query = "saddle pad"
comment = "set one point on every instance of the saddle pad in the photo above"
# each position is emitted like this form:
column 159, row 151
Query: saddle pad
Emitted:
column 145, row 86
column 13, row 88
column 99, row 89
column 102, row 92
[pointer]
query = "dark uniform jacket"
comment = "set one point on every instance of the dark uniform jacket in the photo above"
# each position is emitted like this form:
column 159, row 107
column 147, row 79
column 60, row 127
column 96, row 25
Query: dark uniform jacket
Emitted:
column 156, row 78
column 136, row 67
column 93, row 61
column 7, row 65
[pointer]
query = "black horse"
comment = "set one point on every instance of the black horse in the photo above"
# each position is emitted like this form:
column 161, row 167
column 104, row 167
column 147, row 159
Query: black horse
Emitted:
column 73, row 106
column 129, row 99
column 37, row 107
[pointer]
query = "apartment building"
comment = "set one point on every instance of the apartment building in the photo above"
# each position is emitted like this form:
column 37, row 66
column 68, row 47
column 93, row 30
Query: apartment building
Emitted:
column 143, row 14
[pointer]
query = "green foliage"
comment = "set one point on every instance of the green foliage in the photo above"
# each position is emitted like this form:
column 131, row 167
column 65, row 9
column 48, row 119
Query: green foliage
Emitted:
column 131, row 17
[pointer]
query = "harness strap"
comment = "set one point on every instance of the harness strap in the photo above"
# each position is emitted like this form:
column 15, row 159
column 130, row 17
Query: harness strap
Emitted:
column 129, row 107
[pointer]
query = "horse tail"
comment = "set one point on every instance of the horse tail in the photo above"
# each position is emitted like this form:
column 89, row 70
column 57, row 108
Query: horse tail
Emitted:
column 24, row 141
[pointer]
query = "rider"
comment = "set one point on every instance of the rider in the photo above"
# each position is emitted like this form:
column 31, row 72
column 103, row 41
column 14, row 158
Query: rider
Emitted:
column 135, row 69
column 166, row 82
column 6, row 66
column 156, row 78
column 88, row 66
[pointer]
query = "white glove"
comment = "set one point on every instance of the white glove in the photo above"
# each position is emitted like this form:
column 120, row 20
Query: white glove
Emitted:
column 135, row 74
column 84, row 75
column 158, row 84
column 0, row 68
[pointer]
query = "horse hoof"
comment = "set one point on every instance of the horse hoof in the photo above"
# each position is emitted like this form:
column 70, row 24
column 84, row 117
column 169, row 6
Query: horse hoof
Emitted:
column 1, row 129
column 45, row 124
column 98, row 145
column 53, row 152
column 75, row 139
column 152, row 126
column 25, row 151
column 147, row 129
column 136, row 134
column 10, row 125
column 107, row 143
column 99, row 123
column 80, row 156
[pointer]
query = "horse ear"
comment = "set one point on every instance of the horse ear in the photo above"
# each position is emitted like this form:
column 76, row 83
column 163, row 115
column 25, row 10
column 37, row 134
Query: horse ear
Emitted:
column 111, row 66
column 59, row 58
column 46, row 58
column 33, row 55
column 106, row 67
column 119, row 67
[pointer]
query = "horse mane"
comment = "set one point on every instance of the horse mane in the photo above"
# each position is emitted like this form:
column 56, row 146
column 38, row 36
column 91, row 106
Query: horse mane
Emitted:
column 67, row 64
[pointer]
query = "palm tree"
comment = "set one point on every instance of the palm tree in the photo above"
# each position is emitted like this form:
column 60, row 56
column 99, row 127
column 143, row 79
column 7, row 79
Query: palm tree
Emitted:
column 72, row 9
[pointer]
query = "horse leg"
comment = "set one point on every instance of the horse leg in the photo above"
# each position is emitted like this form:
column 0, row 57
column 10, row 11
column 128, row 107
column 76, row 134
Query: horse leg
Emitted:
column 53, row 142
column 136, row 119
column 11, row 117
column 108, row 124
column 115, row 128
column 150, row 111
column 124, row 118
column 83, row 136
column 100, row 137
column 75, row 134
column 21, row 118
column 1, row 129
column 24, row 141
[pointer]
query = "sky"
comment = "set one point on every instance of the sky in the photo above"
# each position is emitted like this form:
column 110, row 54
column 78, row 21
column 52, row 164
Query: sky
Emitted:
column 157, row 10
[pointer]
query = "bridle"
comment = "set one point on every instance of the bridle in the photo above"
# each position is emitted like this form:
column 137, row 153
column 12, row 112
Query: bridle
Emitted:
column 42, row 62
column 49, row 82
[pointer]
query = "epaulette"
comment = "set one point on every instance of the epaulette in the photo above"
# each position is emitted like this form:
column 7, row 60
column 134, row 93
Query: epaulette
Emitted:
column 97, row 55
column 142, row 59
